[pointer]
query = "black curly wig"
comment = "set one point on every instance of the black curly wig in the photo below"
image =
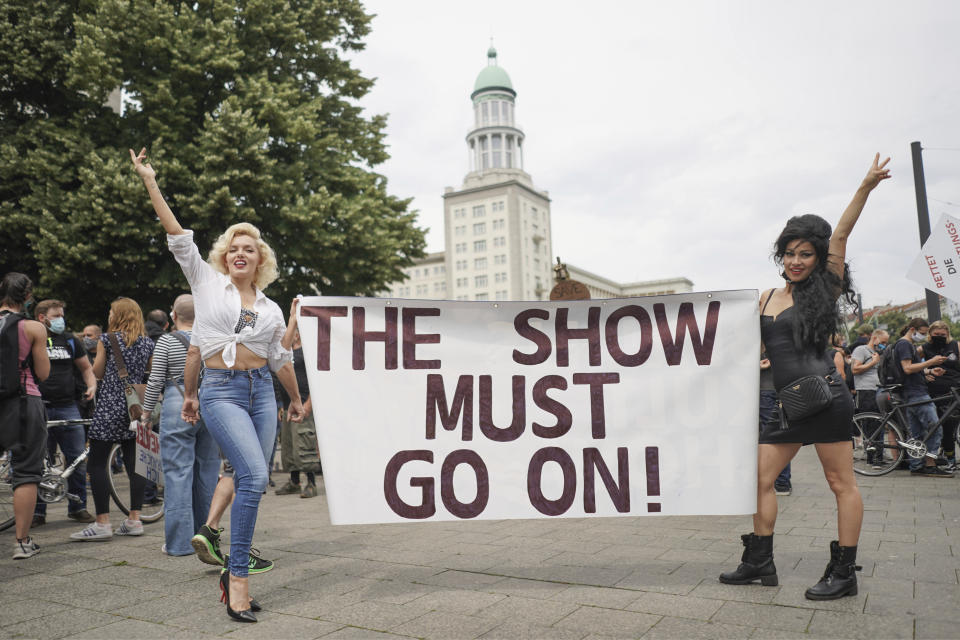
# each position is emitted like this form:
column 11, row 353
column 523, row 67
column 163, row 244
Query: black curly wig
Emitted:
column 816, row 296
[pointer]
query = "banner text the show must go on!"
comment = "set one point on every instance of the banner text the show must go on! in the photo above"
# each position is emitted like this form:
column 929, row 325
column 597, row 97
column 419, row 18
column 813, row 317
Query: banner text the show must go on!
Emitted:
column 439, row 410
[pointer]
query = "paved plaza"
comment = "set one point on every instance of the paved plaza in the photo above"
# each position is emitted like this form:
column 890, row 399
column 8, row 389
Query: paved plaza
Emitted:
column 653, row 577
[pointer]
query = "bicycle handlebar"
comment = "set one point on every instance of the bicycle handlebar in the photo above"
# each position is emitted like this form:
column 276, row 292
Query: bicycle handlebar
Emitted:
column 64, row 423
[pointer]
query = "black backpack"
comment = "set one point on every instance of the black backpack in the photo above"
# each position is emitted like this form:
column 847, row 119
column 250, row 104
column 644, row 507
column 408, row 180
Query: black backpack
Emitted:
column 888, row 369
column 11, row 367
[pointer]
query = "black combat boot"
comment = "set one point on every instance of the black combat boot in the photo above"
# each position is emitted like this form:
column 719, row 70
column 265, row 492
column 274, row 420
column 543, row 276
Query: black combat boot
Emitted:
column 756, row 562
column 840, row 577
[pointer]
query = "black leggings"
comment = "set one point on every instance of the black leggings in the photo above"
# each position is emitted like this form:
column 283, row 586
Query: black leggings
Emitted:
column 100, row 478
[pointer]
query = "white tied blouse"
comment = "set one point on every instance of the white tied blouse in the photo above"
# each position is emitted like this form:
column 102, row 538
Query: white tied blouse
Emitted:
column 217, row 307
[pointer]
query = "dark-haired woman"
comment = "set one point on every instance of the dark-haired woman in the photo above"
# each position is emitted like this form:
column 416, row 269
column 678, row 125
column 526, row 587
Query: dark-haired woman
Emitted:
column 796, row 324
column 23, row 420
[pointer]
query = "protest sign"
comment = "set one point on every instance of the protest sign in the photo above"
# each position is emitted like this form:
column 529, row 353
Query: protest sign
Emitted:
column 936, row 268
column 440, row 410
column 148, row 462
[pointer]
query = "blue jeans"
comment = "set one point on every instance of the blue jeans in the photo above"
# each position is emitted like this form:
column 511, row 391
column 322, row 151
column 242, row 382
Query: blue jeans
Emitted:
column 191, row 462
column 921, row 418
column 240, row 411
column 768, row 414
column 72, row 441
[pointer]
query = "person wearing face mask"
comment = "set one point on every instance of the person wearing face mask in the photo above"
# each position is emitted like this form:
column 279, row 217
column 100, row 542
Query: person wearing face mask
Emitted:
column 67, row 359
column 920, row 417
column 939, row 344
column 91, row 336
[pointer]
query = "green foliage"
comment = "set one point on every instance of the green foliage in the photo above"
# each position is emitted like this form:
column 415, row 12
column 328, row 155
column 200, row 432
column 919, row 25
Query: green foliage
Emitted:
column 249, row 112
column 893, row 321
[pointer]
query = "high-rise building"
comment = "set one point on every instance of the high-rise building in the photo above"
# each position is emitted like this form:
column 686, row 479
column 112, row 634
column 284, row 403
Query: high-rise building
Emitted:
column 497, row 229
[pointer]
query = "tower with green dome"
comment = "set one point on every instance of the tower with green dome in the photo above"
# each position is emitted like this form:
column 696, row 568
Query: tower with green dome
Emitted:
column 497, row 229
column 495, row 142
column 497, row 223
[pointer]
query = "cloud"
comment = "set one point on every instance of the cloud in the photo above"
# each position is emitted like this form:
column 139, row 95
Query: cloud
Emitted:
column 676, row 139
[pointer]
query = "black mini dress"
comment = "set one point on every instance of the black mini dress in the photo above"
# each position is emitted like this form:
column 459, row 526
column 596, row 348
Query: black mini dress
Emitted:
column 833, row 424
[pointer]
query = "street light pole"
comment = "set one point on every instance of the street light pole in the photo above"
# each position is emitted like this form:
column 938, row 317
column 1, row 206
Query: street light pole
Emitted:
column 923, row 220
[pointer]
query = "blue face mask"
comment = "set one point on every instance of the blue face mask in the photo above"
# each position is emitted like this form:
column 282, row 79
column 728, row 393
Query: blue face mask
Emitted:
column 881, row 347
column 58, row 325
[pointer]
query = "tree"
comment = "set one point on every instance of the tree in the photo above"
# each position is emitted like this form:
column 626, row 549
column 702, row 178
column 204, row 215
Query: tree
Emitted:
column 249, row 112
column 893, row 321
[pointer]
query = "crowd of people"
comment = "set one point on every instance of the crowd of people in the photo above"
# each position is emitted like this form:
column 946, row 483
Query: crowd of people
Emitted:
column 208, row 378
column 218, row 437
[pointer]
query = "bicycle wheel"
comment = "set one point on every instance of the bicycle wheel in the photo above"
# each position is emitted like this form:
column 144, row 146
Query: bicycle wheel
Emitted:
column 875, row 448
column 120, row 488
column 6, row 492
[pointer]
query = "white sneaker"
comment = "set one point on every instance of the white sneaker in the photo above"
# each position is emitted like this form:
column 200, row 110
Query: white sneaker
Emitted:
column 94, row 531
column 25, row 548
column 130, row 528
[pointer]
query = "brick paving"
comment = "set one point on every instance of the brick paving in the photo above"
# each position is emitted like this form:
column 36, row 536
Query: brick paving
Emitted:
column 653, row 577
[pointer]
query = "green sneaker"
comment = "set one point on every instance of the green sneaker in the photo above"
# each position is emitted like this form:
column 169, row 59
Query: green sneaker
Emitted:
column 257, row 564
column 207, row 545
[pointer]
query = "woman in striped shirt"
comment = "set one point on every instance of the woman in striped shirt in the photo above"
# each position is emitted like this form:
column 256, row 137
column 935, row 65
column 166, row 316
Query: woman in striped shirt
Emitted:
column 191, row 458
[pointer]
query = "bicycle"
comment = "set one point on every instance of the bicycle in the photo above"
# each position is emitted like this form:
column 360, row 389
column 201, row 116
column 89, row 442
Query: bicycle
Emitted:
column 879, row 442
column 53, row 485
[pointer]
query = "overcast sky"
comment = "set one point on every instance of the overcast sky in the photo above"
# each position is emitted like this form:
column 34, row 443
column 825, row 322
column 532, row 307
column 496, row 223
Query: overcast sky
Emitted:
column 675, row 139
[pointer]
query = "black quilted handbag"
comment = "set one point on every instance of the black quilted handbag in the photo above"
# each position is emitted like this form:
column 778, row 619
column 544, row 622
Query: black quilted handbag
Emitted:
column 805, row 397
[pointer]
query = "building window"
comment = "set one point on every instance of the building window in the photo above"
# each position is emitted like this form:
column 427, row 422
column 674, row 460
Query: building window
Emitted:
column 485, row 111
column 479, row 264
column 480, row 281
column 480, row 245
column 509, row 153
column 461, row 247
column 501, row 295
column 495, row 149
column 500, row 259
column 484, row 153
column 479, row 211
column 479, row 228
column 482, row 296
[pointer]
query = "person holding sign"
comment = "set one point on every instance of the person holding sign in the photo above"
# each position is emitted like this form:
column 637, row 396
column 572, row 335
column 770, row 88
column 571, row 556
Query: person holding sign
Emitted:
column 242, row 339
column 796, row 324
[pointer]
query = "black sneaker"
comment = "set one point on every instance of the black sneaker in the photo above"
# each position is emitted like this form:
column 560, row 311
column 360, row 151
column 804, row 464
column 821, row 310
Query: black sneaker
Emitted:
column 207, row 545
column 931, row 472
column 257, row 564
column 782, row 489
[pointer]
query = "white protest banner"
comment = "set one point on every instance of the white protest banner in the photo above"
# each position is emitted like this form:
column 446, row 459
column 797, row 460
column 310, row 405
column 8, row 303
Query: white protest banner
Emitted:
column 936, row 268
column 148, row 462
column 440, row 410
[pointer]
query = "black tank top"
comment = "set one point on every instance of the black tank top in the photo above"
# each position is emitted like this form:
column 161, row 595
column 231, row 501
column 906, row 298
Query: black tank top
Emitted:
column 789, row 363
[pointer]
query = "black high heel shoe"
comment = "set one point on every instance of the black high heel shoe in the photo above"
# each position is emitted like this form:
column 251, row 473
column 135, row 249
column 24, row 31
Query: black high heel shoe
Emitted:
column 254, row 605
column 241, row 616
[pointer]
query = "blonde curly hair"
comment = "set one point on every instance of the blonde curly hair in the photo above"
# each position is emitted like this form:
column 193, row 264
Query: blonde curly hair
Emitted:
column 267, row 269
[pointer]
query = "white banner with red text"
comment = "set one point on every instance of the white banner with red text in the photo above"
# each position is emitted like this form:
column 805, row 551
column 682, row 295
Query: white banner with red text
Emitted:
column 938, row 266
column 440, row 410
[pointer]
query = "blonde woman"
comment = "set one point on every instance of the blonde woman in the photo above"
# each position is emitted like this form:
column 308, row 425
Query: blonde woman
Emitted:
column 111, row 423
column 242, row 339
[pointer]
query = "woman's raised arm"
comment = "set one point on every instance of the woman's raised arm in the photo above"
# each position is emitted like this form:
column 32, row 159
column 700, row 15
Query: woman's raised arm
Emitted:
column 149, row 177
column 838, row 241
